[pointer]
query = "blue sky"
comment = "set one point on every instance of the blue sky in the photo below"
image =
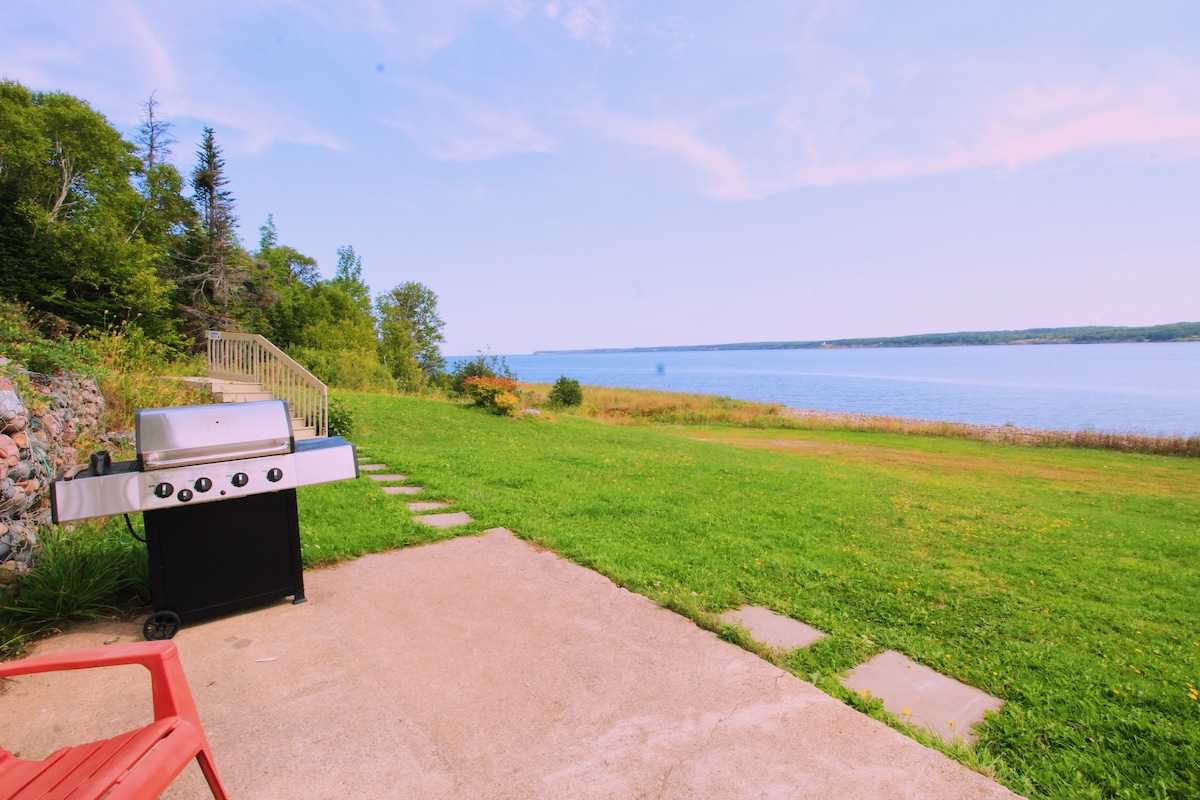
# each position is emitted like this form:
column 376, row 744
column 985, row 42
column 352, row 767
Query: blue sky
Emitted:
column 601, row 173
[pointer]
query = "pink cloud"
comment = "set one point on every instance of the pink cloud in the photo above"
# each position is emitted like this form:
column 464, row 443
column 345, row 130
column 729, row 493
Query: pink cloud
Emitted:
column 1043, row 124
column 727, row 175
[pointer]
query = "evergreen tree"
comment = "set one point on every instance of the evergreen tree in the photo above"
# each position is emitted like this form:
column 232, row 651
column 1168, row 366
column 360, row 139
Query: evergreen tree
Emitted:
column 164, row 211
column 214, row 267
column 287, row 264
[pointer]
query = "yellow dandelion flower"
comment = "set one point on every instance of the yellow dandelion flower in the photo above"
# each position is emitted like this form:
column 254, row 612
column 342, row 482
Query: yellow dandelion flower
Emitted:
column 906, row 711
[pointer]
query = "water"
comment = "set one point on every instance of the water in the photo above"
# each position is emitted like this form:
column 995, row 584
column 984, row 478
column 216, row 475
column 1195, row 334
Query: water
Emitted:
column 1119, row 388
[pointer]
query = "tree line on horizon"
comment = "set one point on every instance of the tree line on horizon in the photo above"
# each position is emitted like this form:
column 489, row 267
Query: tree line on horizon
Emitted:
column 97, row 231
column 1095, row 334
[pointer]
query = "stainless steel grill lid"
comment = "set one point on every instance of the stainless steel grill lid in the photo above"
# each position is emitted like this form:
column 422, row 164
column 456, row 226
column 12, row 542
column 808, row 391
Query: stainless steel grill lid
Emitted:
column 187, row 435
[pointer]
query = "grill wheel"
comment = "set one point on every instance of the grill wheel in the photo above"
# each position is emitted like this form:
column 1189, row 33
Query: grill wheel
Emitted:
column 161, row 625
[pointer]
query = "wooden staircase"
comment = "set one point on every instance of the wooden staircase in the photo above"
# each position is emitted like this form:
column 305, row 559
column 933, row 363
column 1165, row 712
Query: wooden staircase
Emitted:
column 245, row 367
column 227, row 391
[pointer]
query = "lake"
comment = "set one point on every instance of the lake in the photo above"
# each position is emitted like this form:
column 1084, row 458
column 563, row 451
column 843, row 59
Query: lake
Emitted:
column 1151, row 388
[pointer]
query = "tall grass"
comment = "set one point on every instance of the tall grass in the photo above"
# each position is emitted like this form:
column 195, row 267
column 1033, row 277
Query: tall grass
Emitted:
column 135, row 372
column 622, row 406
column 632, row 406
column 86, row 571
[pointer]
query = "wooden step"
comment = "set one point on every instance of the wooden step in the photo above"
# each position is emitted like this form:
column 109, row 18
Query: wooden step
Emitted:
column 224, row 385
column 241, row 396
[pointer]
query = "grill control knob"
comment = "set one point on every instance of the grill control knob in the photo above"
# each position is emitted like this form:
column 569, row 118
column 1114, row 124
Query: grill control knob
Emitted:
column 240, row 479
column 163, row 491
column 274, row 474
column 203, row 484
column 184, row 495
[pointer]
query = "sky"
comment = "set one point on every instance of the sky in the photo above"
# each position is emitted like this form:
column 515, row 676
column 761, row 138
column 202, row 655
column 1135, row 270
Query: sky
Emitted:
column 570, row 174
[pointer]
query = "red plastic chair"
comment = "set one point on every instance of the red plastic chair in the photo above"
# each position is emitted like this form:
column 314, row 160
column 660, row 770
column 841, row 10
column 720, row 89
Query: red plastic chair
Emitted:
column 137, row 764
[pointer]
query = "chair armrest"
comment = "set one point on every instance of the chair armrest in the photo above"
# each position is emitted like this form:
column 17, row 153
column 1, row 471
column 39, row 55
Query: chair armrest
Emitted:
column 144, row 653
column 172, row 697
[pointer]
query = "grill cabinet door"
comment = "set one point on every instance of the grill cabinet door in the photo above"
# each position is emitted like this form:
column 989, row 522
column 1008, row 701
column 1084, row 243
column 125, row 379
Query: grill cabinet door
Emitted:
column 214, row 558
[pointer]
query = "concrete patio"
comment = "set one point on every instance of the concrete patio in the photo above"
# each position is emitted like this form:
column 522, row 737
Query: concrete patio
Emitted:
column 483, row 667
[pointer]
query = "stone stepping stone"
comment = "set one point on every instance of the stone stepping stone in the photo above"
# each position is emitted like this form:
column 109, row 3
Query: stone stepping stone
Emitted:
column 372, row 467
column 388, row 477
column 426, row 506
column 402, row 489
column 445, row 520
column 922, row 696
column 773, row 630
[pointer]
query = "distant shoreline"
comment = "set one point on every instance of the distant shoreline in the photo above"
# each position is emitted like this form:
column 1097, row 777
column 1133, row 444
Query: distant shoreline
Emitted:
column 1175, row 332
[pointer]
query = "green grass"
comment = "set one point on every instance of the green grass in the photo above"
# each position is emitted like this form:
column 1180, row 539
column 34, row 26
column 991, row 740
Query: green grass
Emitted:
column 1064, row 581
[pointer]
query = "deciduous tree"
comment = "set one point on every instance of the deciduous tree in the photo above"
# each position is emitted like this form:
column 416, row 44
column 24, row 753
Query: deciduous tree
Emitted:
column 69, row 239
column 410, row 333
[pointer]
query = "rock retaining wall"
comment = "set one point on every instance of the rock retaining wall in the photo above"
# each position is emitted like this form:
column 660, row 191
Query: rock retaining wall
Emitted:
column 40, row 432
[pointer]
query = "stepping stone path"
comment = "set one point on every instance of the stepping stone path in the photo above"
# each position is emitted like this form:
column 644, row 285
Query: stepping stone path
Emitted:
column 450, row 520
column 372, row 467
column 913, row 692
column 922, row 696
column 426, row 506
column 444, row 520
column 773, row 630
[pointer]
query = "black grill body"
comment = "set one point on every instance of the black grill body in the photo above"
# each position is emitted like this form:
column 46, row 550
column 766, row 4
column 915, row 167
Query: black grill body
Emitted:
column 217, row 558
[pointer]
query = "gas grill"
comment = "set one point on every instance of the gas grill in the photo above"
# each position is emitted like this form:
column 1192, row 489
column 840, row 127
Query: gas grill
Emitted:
column 216, row 486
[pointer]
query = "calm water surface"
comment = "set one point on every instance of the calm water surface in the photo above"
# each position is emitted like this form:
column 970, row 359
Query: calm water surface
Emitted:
column 1127, row 388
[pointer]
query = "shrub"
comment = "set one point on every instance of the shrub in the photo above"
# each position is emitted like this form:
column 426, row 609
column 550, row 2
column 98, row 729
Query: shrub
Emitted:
column 506, row 403
column 481, row 366
column 566, row 392
column 341, row 418
column 498, row 395
column 135, row 372
column 357, row 369
column 47, row 350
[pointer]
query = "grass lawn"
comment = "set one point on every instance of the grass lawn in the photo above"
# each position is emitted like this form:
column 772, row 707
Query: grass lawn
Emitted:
column 1066, row 582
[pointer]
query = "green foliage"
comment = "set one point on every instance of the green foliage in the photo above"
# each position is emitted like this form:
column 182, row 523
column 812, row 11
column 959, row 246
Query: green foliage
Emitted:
column 358, row 369
column 325, row 329
column 347, row 276
column 566, row 392
column 22, row 342
column 71, row 239
column 410, row 331
column 341, row 419
column 287, row 264
column 135, row 372
column 481, row 366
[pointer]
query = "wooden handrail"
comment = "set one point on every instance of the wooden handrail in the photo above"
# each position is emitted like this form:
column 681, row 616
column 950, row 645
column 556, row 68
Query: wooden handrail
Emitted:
column 250, row 357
